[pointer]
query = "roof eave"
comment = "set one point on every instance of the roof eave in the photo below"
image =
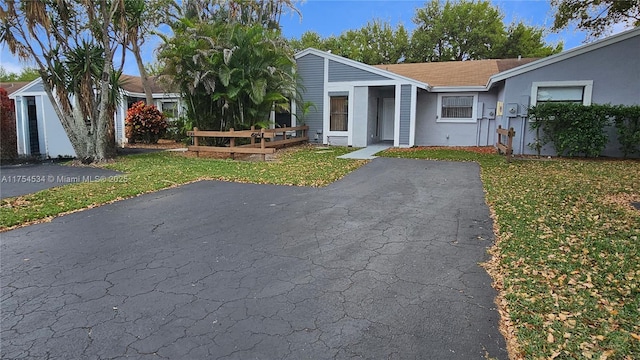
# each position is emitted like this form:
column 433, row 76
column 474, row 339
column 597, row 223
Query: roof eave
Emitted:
column 361, row 66
column 465, row 88
column 563, row 56
column 21, row 90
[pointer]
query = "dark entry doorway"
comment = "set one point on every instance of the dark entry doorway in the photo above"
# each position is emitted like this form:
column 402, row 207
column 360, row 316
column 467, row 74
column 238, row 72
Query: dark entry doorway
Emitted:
column 32, row 113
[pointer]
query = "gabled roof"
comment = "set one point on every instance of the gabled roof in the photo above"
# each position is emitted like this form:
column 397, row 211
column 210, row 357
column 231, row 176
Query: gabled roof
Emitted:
column 133, row 84
column 455, row 73
column 564, row 55
column 129, row 83
column 362, row 66
column 14, row 86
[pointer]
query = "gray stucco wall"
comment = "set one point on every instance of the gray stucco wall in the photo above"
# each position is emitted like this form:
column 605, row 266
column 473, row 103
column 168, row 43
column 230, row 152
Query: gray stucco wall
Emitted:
column 614, row 69
column 486, row 127
column 340, row 72
column 405, row 114
column 311, row 72
column 429, row 132
column 37, row 87
column 58, row 143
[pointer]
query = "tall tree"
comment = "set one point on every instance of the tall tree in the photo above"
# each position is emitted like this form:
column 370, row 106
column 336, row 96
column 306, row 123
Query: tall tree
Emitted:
column 73, row 44
column 231, row 70
column 308, row 39
column 375, row 43
column 595, row 16
column 26, row 74
column 266, row 13
column 142, row 17
column 461, row 30
column 526, row 41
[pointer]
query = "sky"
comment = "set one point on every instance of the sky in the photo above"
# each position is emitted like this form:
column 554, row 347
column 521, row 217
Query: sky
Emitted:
column 332, row 17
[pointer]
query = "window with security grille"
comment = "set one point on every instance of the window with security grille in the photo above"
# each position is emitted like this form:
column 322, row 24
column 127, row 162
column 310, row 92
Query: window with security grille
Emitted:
column 339, row 113
column 457, row 107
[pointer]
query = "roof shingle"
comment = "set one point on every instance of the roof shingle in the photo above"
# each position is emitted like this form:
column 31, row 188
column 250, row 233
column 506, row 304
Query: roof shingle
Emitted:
column 455, row 73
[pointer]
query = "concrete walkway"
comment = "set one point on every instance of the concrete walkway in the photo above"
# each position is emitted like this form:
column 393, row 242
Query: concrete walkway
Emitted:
column 382, row 264
column 366, row 153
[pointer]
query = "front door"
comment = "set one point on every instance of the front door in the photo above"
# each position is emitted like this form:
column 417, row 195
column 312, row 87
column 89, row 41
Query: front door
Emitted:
column 388, row 112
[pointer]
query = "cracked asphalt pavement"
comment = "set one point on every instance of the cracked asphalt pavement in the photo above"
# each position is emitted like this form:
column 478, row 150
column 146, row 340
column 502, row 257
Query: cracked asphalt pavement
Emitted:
column 383, row 264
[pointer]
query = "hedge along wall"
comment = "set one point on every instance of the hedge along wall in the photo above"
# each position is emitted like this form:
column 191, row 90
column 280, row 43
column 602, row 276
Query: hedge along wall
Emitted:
column 8, row 141
column 578, row 130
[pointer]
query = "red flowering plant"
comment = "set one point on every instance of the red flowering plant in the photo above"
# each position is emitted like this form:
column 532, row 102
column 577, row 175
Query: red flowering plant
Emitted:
column 8, row 148
column 144, row 123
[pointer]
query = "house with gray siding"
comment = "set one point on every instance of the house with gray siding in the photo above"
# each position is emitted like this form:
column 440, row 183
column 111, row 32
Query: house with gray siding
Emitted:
column 461, row 103
column 39, row 132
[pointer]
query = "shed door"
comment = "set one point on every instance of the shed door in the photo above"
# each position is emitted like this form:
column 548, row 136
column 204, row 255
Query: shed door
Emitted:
column 388, row 112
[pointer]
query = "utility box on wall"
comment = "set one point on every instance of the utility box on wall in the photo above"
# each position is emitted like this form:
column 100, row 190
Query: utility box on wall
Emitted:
column 511, row 109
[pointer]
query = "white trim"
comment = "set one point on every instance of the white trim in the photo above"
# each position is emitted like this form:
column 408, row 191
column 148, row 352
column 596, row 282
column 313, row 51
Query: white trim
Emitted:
column 294, row 118
column 325, row 105
column 20, row 91
column 154, row 95
column 44, row 127
column 412, row 116
column 586, row 96
column 358, row 65
column 350, row 99
column 563, row 55
column 368, row 83
column 474, row 110
column 451, row 89
column 396, row 116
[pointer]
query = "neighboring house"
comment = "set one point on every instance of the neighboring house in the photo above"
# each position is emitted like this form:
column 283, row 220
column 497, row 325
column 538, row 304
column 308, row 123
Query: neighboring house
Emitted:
column 8, row 140
column 40, row 133
column 461, row 103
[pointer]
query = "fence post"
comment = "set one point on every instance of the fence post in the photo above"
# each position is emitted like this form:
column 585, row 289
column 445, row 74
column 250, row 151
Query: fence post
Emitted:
column 232, row 143
column 510, row 136
column 262, row 144
column 253, row 138
column 195, row 140
column 507, row 148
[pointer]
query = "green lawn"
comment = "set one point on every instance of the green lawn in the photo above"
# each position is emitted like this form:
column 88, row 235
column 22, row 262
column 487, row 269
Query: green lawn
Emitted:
column 567, row 259
column 150, row 172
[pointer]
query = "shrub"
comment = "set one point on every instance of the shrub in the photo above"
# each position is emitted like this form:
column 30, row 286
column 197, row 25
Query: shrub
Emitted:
column 627, row 121
column 177, row 130
column 144, row 123
column 8, row 141
column 573, row 129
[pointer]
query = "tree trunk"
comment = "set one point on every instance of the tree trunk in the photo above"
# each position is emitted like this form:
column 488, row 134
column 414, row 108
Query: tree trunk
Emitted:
column 143, row 73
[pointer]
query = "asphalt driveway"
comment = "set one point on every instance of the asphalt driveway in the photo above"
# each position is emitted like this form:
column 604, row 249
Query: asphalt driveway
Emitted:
column 380, row 265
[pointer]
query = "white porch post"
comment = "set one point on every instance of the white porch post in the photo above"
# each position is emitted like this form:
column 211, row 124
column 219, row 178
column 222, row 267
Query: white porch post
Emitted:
column 412, row 115
column 396, row 116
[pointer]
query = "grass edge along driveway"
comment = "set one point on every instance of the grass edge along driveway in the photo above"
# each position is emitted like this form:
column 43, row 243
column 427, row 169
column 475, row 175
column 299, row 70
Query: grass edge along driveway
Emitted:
column 566, row 262
column 304, row 166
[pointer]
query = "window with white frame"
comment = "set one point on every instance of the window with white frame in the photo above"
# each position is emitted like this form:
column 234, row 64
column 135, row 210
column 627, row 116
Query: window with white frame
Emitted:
column 169, row 108
column 339, row 113
column 457, row 107
column 562, row 91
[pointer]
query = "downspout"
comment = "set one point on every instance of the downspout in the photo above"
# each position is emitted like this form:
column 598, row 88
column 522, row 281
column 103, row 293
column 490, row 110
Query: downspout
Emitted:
column 524, row 127
column 488, row 128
